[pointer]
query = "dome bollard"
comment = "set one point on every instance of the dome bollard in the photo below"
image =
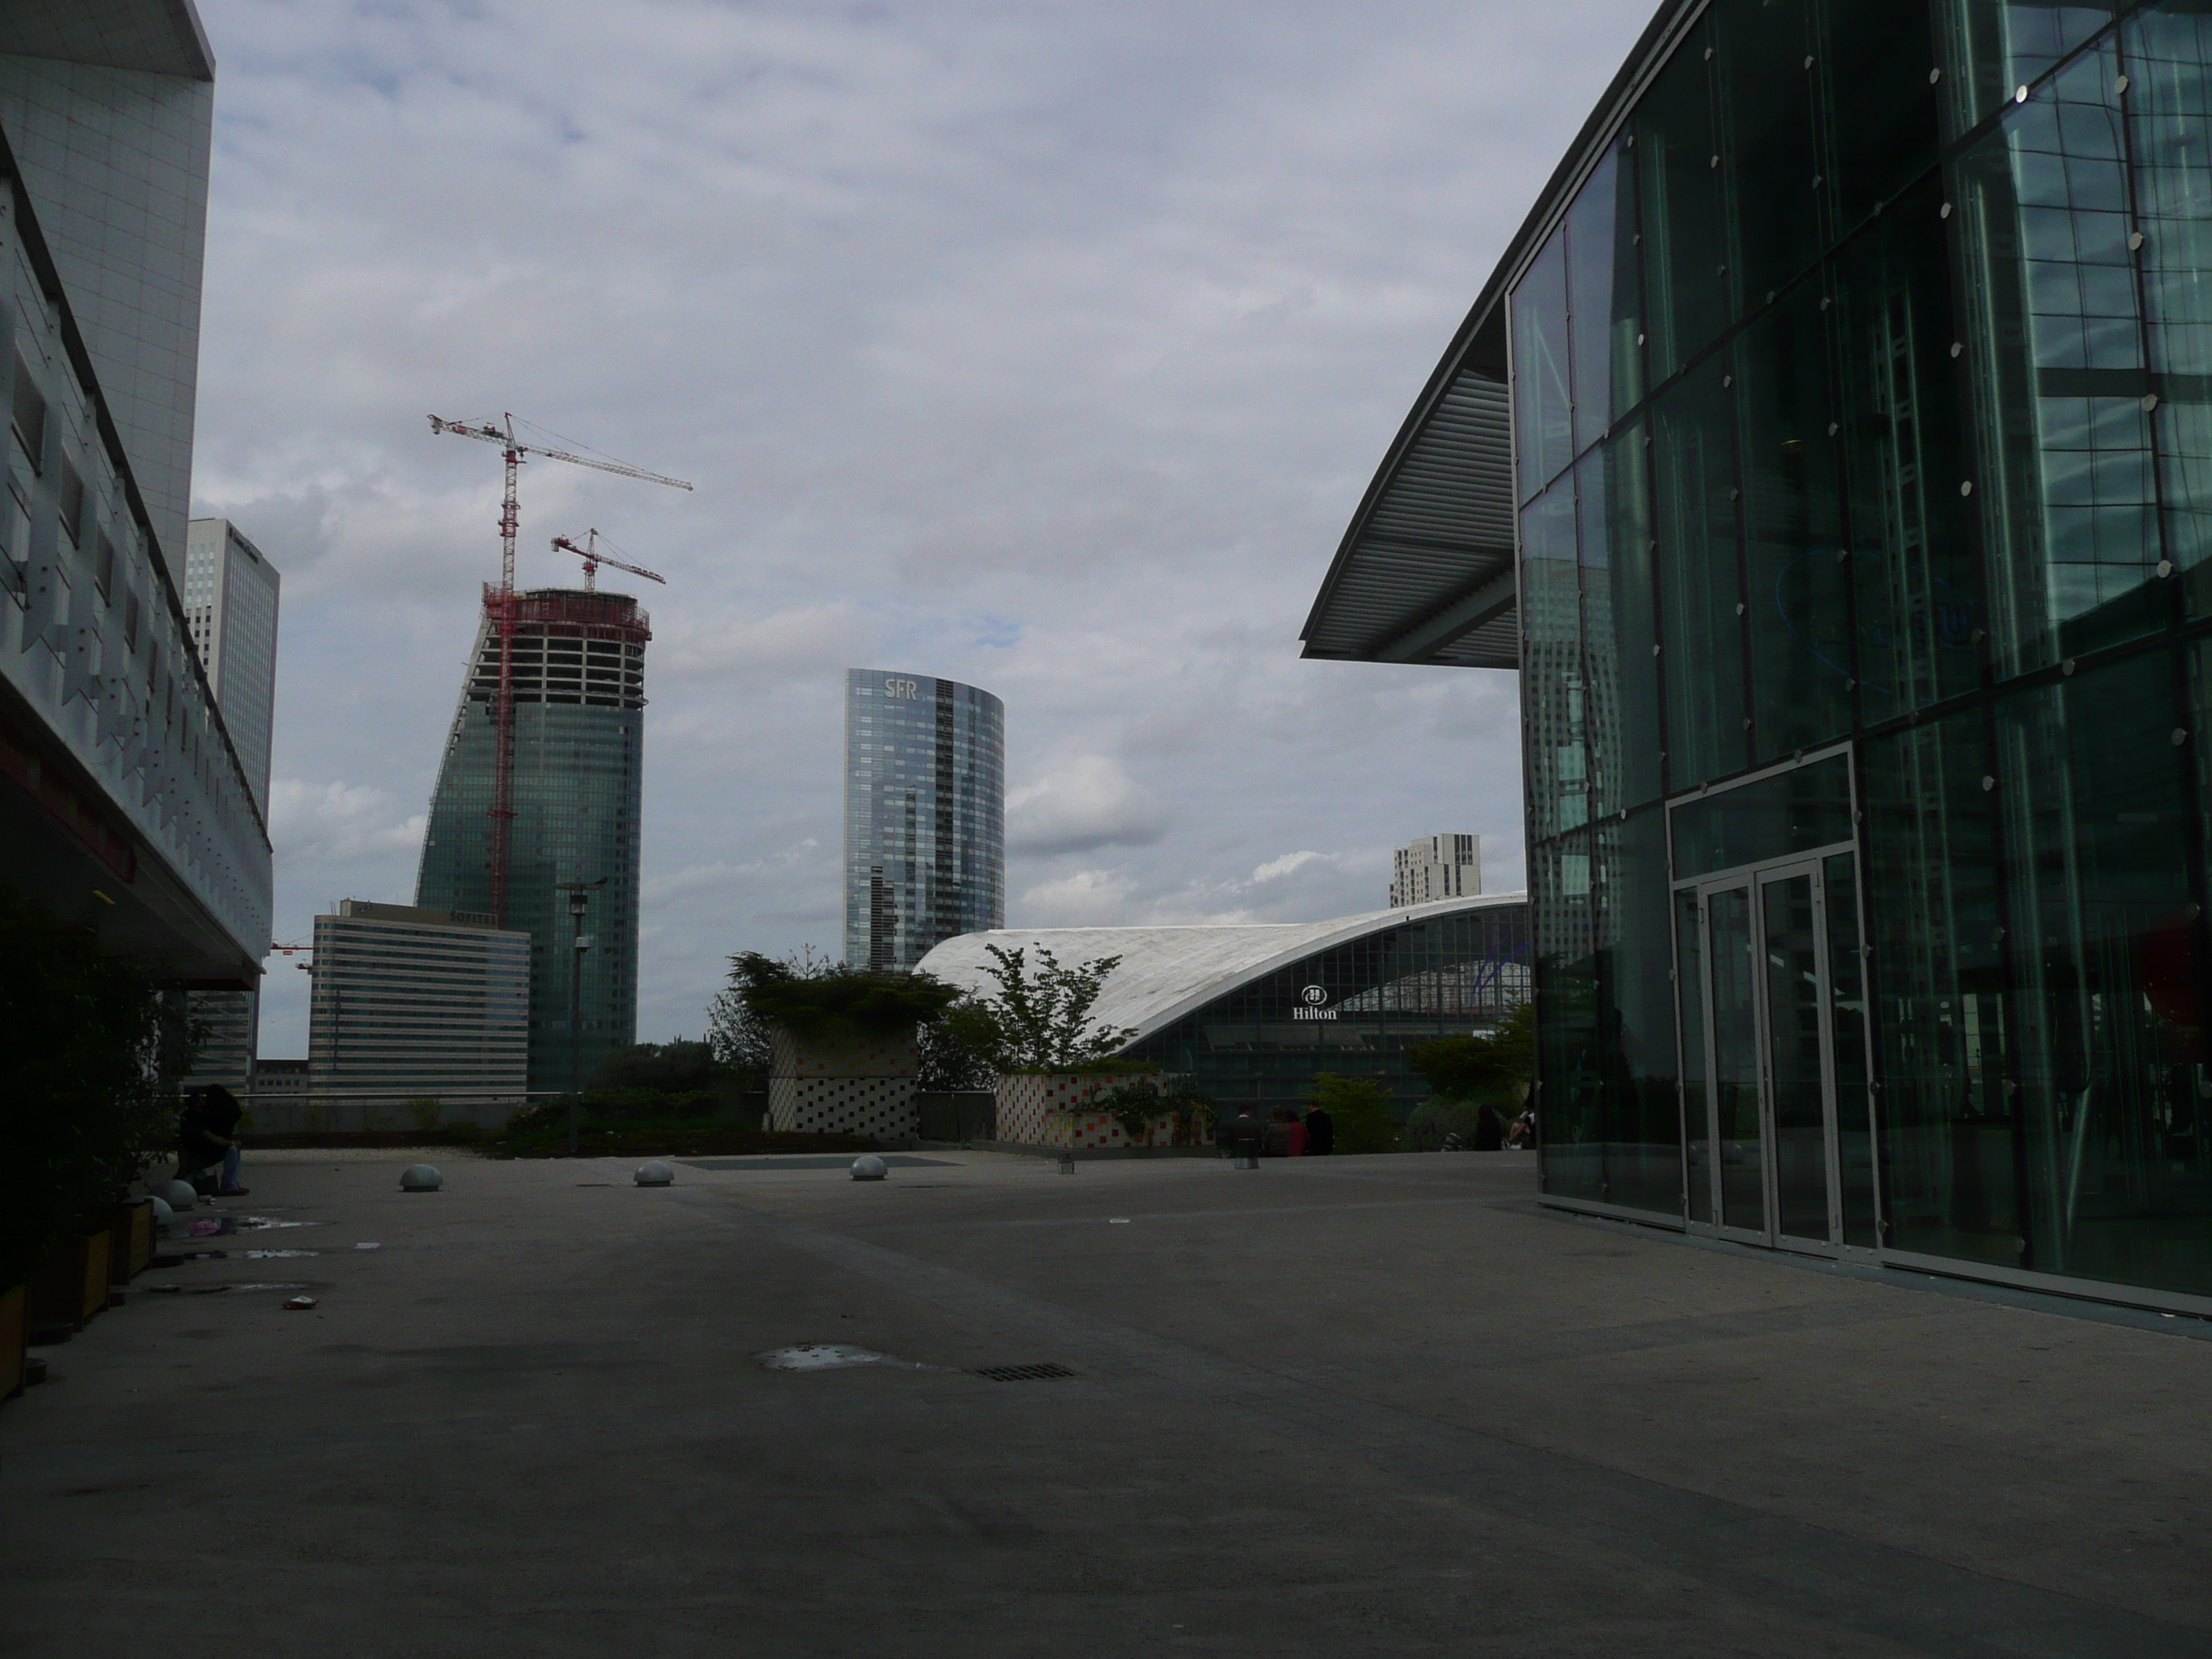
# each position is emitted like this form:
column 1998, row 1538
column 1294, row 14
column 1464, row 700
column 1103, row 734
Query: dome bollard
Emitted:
column 421, row 1178
column 869, row 1167
column 655, row 1173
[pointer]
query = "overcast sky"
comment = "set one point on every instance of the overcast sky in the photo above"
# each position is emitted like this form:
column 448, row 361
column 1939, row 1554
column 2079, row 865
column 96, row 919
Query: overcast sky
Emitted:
column 1044, row 347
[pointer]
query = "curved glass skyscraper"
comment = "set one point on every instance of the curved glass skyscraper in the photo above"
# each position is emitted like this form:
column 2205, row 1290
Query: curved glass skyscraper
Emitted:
column 579, row 753
column 925, row 815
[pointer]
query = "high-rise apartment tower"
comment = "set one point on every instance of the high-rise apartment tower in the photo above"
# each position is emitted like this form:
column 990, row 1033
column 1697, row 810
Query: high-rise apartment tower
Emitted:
column 1436, row 868
column 925, row 815
column 230, row 606
column 579, row 677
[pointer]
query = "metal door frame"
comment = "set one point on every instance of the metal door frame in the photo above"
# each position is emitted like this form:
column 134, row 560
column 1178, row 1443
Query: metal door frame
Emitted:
column 1753, row 879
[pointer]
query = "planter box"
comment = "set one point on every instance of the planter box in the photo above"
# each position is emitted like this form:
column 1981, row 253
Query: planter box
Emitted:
column 15, row 1334
column 129, row 1241
column 855, row 1087
column 71, row 1285
column 1053, row 1108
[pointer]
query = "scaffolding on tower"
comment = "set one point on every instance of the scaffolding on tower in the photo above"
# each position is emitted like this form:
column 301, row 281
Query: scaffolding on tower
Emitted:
column 500, row 609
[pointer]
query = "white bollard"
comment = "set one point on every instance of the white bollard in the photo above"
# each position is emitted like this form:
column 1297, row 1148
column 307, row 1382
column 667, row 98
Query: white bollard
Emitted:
column 655, row 1174
column 869, row 1167
column 421, row 1178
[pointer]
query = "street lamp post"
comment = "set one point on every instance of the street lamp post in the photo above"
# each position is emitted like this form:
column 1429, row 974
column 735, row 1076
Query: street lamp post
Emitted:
column 579, row 898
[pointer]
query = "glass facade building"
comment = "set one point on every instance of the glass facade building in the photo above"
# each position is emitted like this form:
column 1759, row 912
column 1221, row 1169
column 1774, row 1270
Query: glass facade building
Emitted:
column 1859, row 361
column 579, row 684
column 925, row 815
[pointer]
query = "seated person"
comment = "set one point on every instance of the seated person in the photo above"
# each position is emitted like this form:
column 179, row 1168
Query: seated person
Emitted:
column 207, row 1135
column 1286, row 1136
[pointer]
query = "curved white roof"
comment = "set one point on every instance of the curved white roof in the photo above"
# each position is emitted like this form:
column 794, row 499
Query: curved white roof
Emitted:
column 1166, row 972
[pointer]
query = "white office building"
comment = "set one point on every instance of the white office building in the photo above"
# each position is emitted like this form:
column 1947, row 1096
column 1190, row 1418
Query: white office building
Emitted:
column 1436, row 868
column 412, row 1005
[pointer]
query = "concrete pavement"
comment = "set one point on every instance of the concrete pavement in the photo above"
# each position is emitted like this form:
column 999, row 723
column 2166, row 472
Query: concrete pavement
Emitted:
column 1348, row 1406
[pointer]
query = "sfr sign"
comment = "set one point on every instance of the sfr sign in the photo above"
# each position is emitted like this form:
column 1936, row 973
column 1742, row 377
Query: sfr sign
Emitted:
column 909, row 689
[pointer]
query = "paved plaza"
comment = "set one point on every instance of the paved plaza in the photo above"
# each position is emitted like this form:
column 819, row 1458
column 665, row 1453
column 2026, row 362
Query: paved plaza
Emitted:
column 1336, row 1406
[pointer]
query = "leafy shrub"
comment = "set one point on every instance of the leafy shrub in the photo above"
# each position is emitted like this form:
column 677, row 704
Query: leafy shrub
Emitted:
column 1360, row 1109
column 834, row 1000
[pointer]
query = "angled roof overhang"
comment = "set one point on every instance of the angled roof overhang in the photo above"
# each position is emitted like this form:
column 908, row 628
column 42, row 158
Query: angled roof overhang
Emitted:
column 1166, row 972
column 161, row 37
column 1426, row 571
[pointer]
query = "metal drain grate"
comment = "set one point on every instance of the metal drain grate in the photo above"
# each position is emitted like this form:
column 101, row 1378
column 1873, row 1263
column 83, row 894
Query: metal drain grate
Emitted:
column 1023, row 1373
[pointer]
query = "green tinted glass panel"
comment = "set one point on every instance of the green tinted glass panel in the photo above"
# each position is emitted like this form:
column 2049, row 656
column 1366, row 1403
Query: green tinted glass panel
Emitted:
column 1740, row 1148
column 1992, row 47
column 1605, row 315
column 1702, row 611
column 1937, row 980
column 1877, row 100
column 1543, row 429
column 1793, row 547
column 1690, row 991
column 1570, row 1101
column 1687, row 285
column 1643, row 1109
column 1552, row 693
column 1791, row 961
column 1793, row 812
column 2099, row 806
column 1847, row 1004
column 1621, row 670
column 1772, row 176
column 1915, row 576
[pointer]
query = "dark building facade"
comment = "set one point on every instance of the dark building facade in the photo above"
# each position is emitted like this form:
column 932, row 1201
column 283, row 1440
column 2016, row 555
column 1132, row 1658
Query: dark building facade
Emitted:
column 579, row 680
column 925, row 815
column 1857, row 496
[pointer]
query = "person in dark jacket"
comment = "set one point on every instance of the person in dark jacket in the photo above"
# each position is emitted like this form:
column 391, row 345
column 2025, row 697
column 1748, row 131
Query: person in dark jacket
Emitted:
column 1244, row 1139
column 207, row 1135
column 1321, row 1133
column 1489, row 1129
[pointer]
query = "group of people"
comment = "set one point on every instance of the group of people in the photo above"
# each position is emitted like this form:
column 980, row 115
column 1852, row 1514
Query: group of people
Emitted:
column 1284, row 1134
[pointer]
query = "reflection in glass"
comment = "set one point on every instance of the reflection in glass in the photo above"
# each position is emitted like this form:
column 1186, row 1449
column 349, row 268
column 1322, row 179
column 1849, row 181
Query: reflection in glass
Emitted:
column 1687, row 286
column 2169, row 106
column 1620, row 672
column 1929, row 867
column 2111, row 1046
column 1690, row 983
column 1793, row 812
column 1795, row 552
column 2070, row 504
column 1568, row 1103
column 1700, row 592
column 1543, row 433
column 1847, row 1042
column 1604, row 315
column 1643, row 1117
column 1552, row 659
column 1763, row 54
column 1735, row 1061
column 1793, row 1052
column 1995, row 46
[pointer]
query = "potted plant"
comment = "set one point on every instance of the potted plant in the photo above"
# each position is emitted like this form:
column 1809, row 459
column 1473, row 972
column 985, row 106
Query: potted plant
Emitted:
column 843, row 1042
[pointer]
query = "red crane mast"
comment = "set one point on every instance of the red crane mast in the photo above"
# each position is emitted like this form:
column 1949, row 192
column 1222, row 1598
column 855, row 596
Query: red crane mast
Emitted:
column 500, row 606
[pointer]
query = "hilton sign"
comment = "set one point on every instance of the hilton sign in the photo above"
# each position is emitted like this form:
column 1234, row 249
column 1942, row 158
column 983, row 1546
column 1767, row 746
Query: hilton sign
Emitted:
column 1312, row 996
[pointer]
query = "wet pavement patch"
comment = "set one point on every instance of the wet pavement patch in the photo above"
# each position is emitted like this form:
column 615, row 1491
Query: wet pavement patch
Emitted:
column 831, row 1357
column 810, row 1161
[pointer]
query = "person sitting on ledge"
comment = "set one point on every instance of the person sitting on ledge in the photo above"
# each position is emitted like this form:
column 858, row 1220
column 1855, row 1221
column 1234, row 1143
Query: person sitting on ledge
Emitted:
column 207, row 1135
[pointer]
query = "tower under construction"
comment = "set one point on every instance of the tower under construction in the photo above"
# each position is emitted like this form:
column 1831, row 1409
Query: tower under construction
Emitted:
column 577, row 675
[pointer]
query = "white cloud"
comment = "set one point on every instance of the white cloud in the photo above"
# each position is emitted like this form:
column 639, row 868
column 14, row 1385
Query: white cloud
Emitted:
column 1288, row 863
column 982, row 365
column 329, row 821
column 1082, row 805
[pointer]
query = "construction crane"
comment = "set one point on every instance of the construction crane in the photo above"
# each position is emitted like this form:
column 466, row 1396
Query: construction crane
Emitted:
column 500, row 602
column 592, row 558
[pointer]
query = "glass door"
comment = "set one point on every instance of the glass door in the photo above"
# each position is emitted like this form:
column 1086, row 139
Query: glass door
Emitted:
column 1772, row 1021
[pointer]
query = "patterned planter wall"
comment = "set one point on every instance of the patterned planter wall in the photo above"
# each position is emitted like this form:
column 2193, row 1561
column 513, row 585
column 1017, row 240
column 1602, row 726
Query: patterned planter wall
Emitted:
column 859, row 1086
column 1046, row 1108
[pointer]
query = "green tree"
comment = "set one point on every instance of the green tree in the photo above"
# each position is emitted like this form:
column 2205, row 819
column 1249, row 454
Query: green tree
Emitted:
column 738, row 1037
column 1494, row 1067
column 1040, row 1021
column 677, row 1068
column 1360, row 1107
column 88, row 1076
